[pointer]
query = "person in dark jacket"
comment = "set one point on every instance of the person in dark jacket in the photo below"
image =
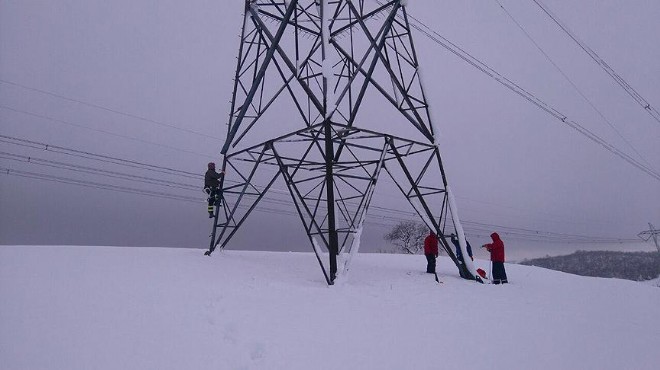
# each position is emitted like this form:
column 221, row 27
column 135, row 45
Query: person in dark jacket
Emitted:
column 431, row 251
column 459, row 253
column 496, row 249
column 212, row 181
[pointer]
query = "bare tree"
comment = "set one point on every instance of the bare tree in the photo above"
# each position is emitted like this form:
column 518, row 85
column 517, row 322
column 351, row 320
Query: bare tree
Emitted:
column 408, row 236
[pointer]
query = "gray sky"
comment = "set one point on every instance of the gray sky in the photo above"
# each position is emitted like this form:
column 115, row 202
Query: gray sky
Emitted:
column 172, row 63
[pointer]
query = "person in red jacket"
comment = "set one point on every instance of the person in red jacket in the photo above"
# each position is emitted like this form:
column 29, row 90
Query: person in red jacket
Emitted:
column 431, row 251
column 496, row 249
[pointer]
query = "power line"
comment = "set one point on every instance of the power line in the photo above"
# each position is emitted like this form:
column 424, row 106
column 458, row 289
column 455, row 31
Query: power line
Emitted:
column 480, row 226
column 113, row 160
column 552, row 218
column 481, row 66
column 451, row 47
column 101, row 158
column 90, row 184
column 101, row 131
column 514, row 233
column 123, row 189
column 113, row 174
column 97, row 157
column 606, row 67
column 545, row 234
column 474, row 228
column 83, row 168
column 146, row 166
column 96, row 171
column 568, row 79
column 517, row 231
column 649, row 234
column 438, row 39
column 97, row 106
column 169, row 171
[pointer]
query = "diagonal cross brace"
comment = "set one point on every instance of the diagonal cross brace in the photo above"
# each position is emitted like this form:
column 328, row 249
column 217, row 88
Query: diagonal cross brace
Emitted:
column 260, row 75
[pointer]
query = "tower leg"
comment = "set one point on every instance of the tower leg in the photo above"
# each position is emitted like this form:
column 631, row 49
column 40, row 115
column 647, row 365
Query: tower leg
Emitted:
column 333, row 247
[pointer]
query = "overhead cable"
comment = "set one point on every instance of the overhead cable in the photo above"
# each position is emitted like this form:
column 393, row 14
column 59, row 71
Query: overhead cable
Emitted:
column 96, row 157
column 102, row 131
column 474, row 228
column 481, row 66
column 97, row 106
column 568, row 79
column 96, row 171
column 606, row 67
column 124, row 189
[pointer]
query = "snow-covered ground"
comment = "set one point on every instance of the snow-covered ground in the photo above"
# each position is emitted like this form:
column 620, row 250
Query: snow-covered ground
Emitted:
column 156, row 308
column 654, row 282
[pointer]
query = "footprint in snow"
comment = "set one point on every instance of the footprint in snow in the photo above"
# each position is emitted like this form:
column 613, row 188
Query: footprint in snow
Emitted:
column 258, row 351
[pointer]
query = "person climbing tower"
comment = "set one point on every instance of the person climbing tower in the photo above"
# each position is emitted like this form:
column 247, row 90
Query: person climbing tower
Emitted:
column 212, row 181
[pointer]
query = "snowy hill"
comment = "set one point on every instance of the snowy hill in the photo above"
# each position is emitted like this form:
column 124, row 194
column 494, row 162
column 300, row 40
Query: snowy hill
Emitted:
column 151, row 308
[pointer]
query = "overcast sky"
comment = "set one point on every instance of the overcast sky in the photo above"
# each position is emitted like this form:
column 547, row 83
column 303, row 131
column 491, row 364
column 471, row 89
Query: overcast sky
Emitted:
column 150, row 81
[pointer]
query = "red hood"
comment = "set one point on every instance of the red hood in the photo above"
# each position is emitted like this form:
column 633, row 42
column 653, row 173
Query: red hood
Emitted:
column 495, row 237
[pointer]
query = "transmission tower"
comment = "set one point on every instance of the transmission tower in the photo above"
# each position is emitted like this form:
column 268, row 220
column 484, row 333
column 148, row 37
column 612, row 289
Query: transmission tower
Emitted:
column 327, row 97
column 651, row 233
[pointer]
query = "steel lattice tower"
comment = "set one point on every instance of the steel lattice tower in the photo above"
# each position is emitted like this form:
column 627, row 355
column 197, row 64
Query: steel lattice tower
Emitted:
column 335, row 86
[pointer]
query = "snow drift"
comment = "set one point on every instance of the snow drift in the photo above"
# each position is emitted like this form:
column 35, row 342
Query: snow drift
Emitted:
column 153, row 308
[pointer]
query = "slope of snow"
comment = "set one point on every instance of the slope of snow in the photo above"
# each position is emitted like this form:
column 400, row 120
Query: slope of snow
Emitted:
column 153, row 308
column 654, row 282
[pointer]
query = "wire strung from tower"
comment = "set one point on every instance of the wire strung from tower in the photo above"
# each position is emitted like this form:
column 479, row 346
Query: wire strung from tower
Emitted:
column 601, row 63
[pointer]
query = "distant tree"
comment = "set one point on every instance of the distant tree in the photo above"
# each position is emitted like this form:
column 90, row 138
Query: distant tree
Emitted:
column 408, row 236
column 637, row 266
column 386, row 251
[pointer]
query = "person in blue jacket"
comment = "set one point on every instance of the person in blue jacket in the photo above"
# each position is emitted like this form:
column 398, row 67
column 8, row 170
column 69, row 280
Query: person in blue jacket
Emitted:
column 459, row 253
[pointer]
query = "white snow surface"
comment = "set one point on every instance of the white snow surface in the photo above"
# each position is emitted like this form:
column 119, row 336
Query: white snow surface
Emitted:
column 654, row 282
column 157, row 308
